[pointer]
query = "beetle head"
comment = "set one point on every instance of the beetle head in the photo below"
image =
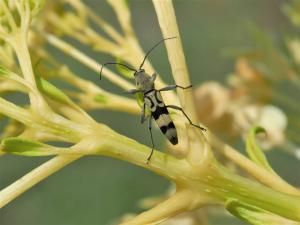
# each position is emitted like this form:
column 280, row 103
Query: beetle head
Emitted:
column 143, row 81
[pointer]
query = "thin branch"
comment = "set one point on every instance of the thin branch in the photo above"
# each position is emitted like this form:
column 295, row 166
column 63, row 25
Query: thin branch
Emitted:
column 9, row 16
column 70, row 50
column 181, row 201
column 104, row 25
column 123, row 14
column 35, row 176
column 260, row 174
column 110, row 101
column 13, row 111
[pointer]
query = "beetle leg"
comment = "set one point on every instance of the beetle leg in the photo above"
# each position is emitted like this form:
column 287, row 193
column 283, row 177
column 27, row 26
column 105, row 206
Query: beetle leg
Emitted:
column 132, row 91
column 150, row 129
column 179, row 108
column 143, row 116
column 174, row 86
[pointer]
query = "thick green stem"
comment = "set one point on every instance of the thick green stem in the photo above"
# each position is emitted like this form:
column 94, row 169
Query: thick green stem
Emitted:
column 211, row 178
column 253, row 193
column 112, row 144
column 259, row 173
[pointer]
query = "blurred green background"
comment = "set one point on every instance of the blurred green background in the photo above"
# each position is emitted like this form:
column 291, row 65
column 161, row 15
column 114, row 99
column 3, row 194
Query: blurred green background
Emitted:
column 97, row 190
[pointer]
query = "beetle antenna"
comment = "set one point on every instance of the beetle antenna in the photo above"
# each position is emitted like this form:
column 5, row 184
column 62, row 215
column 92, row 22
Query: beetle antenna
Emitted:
column 114, row 63
column 161, row 41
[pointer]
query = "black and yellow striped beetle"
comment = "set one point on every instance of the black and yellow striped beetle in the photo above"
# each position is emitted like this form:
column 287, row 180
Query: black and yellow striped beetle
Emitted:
column 153, row 101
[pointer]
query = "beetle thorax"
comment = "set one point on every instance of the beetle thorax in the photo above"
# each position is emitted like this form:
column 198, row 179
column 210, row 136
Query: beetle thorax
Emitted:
column 143, row 81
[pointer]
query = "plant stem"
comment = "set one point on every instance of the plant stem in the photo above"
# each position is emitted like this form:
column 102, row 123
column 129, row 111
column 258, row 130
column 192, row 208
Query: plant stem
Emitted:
column 20, row 46
column 104, row 25
column 199, row 148
column 70, row 50
column 230, row 186
column 176, row 204
column 168, row 24
column 30, row 179
column 119, row 147
column 260, row 174
column 91, row 91
column 212, row 181
column 12, row 111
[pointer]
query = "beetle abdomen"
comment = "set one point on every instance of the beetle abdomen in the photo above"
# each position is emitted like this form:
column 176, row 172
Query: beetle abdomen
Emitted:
column 165, row 123
column 160, row 114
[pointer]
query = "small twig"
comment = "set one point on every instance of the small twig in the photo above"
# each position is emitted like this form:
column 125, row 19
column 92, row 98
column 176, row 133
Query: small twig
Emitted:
column 70, row 50
column 35, row 176
column 260, row 174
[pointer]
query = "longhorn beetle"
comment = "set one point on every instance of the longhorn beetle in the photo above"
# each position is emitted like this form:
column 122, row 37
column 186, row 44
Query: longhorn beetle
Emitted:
column 153, row 100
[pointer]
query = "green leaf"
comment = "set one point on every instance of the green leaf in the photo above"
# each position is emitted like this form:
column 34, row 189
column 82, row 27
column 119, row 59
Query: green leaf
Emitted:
column 21, row 146
column 3, row 70
column 101, row 98
column 291, row 9
column 123, row 70
column 255, row 215
column 36, row 6
column 52, row 92
column 140, row 99
column 126, row 3
column 254, row 151
column 49, row 89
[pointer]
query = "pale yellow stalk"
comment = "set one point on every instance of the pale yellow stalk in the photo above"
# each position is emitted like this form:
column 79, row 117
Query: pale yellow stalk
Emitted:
column 35, row 176
column 89, row 62
column 259, row 173
column 167, row 20
column 181, row 202
column 199, row 148
column 91, row 91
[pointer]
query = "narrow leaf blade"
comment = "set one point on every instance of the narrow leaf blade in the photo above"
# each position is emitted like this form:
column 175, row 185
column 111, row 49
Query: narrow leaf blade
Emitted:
column 254, row 151
column 25, row 147
column 255, row 215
